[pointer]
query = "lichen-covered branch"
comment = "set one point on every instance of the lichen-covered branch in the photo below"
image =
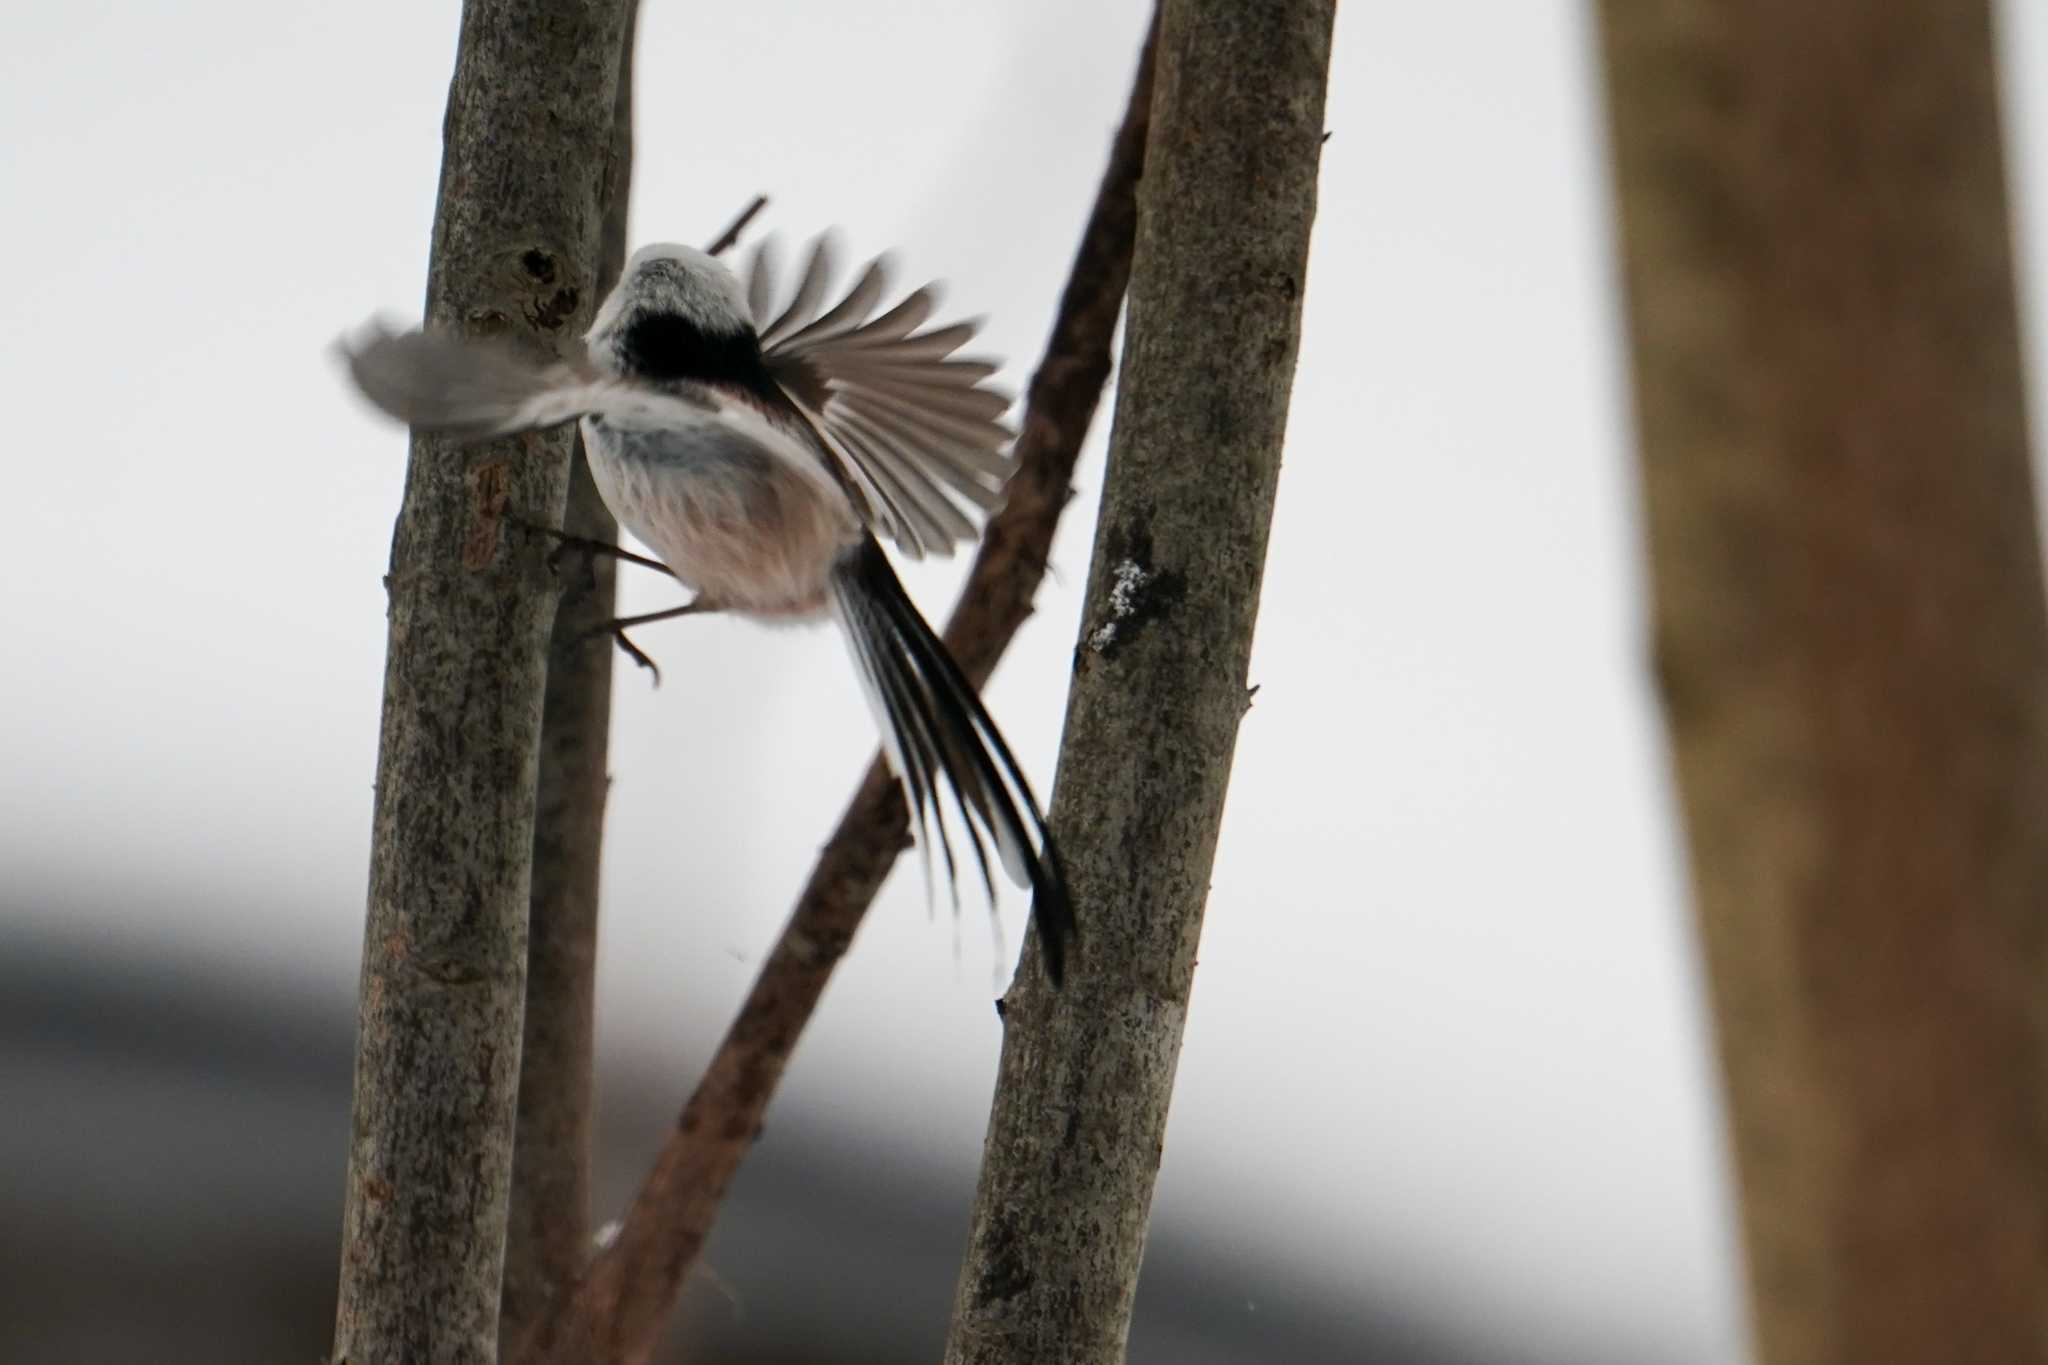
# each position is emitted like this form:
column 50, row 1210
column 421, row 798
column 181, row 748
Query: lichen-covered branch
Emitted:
column 1075, row 1138
column 614, row 1315
column 515, row 248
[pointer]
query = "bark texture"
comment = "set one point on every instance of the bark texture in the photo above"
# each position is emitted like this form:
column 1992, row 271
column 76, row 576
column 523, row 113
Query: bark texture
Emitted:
column 1850, row 644
column 529, row 126
column 617, row 1311
column 548, row 1236
column 1075, row 1138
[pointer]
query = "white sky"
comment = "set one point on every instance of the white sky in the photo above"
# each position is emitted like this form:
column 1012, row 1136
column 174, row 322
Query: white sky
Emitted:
column 1446, row 1039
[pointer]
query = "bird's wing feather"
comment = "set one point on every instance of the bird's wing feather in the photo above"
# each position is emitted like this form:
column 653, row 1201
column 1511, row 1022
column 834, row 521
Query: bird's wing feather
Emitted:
column 896, row 406
column 475, row 389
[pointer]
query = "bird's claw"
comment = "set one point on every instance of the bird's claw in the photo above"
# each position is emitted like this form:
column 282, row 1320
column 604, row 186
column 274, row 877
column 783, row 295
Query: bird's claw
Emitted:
column 617, row 635
column 635, row 653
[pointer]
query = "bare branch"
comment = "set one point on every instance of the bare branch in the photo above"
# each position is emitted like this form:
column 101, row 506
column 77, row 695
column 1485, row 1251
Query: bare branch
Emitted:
column 616, row 1312
column 444, row 953
column 1159, row 680
column 731, row 236
column 1846, row 586
column 548, row 1239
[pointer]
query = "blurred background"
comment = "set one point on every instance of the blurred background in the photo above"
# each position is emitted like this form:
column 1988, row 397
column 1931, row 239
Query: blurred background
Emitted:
column 1447, row 1092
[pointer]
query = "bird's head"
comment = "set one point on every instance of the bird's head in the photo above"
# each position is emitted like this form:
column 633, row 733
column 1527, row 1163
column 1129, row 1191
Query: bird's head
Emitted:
column 677, row 313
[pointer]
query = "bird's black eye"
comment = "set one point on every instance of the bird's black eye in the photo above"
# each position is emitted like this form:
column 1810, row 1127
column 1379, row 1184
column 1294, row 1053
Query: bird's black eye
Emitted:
column 670, row 346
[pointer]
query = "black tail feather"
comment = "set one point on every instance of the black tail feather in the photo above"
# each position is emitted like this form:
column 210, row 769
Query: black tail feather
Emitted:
column 898, row 715
column 935, row 726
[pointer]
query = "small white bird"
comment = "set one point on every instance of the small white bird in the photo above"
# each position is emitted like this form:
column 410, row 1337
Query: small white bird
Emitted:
column 758, row 453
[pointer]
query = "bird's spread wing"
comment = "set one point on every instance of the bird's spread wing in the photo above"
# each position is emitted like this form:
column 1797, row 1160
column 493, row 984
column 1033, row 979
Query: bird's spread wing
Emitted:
column 909, row 420
column 473, row 389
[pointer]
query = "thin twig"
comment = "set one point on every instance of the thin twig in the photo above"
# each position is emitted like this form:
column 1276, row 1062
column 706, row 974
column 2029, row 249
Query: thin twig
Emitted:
column 616, row 1312
column 731, row 235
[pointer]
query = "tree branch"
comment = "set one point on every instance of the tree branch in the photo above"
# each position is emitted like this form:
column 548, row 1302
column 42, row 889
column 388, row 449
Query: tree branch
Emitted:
column 1159, row 680
column 616, row 1312
column 1846, row 584
column 548, row 1238
column 729, row 238
column 529, row 122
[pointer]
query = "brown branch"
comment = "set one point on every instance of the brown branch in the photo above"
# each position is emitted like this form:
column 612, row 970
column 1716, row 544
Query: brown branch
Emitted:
column 615, row 1314
column 1845, row 582
column 548, row 1234
column 731, row 236
column 439, row 1023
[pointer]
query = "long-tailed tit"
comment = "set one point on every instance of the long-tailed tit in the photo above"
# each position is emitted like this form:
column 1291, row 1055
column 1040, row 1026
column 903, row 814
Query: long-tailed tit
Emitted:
column 758, row 453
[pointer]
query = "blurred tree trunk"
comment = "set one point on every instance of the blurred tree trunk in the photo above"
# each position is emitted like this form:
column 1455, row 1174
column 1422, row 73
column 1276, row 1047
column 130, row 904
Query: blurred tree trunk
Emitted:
column 1224, row 211
column 516, row 235
column 548, row 1239
column 1850, row 643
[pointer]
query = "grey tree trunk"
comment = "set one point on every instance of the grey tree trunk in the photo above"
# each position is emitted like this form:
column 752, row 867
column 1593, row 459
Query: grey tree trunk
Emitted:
column 1850, row 642
column 548, row 1240
column 1224, row 212
column 529, row 126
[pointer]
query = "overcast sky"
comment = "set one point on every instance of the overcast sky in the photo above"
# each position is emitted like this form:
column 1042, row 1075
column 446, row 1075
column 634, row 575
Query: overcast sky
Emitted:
column 1446, row 1039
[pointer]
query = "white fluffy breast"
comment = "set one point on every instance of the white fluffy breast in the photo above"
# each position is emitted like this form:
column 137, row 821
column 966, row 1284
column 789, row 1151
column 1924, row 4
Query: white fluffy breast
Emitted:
column 742, row 527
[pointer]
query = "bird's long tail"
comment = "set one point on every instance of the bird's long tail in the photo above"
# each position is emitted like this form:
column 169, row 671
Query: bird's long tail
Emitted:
column 934, row 727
